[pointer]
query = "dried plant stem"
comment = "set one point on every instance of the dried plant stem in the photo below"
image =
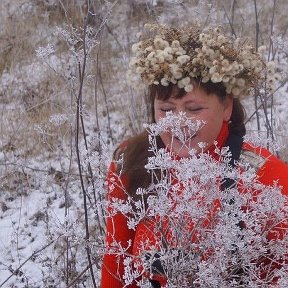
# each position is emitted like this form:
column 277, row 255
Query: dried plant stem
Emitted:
column 74, row 281
column 230, row 19
column 105, row 97
column 269, row 56
column 79, row 119
column 256, row 46
column 80, row 125
column 101, row 229
column 267, row 98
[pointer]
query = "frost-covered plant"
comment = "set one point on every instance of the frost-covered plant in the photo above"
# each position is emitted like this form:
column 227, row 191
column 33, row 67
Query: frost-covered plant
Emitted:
column 208, row 223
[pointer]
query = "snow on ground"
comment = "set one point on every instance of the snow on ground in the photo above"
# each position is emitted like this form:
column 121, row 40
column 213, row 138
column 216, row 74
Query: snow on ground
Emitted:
column 26, row 225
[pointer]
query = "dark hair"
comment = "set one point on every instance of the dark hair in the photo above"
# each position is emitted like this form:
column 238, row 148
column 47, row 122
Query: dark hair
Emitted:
column 136, row 149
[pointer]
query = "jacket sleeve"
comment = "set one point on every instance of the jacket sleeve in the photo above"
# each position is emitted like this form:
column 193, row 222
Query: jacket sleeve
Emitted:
column 119, row 237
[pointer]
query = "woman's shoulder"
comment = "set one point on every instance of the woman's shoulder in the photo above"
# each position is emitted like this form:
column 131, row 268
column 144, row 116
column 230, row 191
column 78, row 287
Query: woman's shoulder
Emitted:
column 269, row 167
column 259, row 154
column 256, row 156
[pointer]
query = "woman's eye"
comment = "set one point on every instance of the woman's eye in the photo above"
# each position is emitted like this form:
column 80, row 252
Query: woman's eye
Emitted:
column 198, row 109
column 166, row 109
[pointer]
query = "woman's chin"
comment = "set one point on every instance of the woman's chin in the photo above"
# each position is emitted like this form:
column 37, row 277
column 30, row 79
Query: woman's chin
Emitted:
column 182, row 150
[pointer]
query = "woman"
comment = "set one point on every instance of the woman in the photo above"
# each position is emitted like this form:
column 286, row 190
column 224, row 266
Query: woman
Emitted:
column 202, row 75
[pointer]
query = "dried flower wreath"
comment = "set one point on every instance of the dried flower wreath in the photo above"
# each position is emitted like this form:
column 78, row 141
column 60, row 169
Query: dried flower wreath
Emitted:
column 178, row 55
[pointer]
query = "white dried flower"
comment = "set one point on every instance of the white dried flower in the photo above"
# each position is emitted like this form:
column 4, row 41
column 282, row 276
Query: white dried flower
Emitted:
column 221, row 39
column 228, row 68
column 277, row 77
column 216, row 78
column 164, row 82
column 225, row 63
column 175, row 44
column 180, row 51
column 149, row 49
column 211, row 53
column 189, row 88
column 210, row 42
column 241, row 82
column 240, row 67
column 205, row 79
column 159, row 43
column 168, row 50
column 155, row 67
column 136, row 47
column 168, row 57
column 133, row 62
column 184, row 38
column 246, row 63
column 225, row 78
column 160, row 56
column 258, row 69
column 151, row 55
column 271, row 65
column 140, row 70
column 202, row 37
column 150, row 77
column 236, row 91
column 232, row 80
column 180, row 84
column 184, row 82
column 183, row 59
column 213, row 69
column 173, row 80
column 176, row 71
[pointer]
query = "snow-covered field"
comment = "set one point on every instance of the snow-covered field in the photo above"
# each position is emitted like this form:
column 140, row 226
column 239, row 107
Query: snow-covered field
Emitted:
column 42, row 215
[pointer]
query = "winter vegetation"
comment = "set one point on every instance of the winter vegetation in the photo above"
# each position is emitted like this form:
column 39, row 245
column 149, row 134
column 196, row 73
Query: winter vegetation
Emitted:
column 66, row 104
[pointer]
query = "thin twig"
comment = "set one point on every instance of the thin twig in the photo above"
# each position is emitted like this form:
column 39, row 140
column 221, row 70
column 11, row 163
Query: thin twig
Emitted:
column 34, row 254
column 256, row 46
column 230, row 21
column 269, row 54
column 269, row 96
column 78, row 120
column 78, row 277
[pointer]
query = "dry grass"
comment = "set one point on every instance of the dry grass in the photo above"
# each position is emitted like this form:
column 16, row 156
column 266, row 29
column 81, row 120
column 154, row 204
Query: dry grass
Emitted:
column 28, row 99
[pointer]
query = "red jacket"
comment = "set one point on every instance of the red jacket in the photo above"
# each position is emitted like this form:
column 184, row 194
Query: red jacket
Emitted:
column 269, row 169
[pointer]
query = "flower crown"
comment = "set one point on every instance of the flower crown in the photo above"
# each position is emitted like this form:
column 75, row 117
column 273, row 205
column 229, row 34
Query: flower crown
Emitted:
column 174, row 55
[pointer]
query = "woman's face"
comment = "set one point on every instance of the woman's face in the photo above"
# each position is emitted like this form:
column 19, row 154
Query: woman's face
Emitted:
column 197, row 105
